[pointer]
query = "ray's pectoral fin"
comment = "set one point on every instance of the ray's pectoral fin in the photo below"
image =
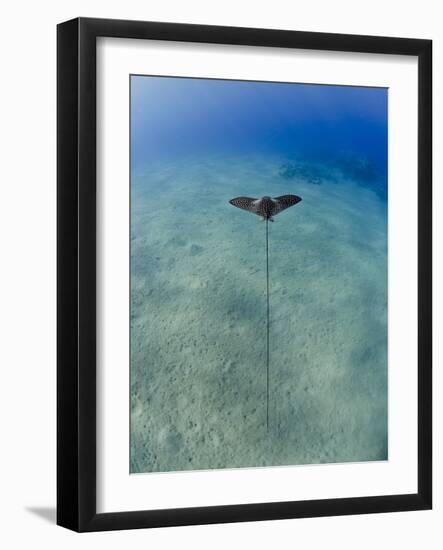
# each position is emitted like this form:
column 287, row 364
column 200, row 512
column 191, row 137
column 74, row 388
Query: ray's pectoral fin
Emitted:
column 283, row 202
column 245, row 203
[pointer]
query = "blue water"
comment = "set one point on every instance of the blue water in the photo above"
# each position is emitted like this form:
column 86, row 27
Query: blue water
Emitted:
column 179, row 118
column 198, row 287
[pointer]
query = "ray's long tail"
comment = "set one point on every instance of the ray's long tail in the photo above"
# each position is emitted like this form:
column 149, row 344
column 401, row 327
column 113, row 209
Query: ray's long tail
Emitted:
column 267, row 325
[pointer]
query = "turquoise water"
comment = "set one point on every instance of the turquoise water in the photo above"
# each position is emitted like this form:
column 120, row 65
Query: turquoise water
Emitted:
column 198, row 276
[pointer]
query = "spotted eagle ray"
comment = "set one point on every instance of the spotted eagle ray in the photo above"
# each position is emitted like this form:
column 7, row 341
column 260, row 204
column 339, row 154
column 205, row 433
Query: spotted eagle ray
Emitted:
column 266, row 207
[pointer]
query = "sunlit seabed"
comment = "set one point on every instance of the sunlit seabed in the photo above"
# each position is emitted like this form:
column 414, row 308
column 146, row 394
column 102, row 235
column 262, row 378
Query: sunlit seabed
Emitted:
column 198, row 317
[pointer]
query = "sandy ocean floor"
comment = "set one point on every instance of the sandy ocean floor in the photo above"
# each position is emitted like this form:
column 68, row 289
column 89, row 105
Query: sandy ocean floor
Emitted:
column 198, row 317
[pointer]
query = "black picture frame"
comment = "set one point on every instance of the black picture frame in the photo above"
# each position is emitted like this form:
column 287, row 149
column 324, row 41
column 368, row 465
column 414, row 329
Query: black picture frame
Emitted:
column 76, row 279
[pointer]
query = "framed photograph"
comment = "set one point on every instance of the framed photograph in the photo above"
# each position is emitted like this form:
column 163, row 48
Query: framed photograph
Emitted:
column 244, row 274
